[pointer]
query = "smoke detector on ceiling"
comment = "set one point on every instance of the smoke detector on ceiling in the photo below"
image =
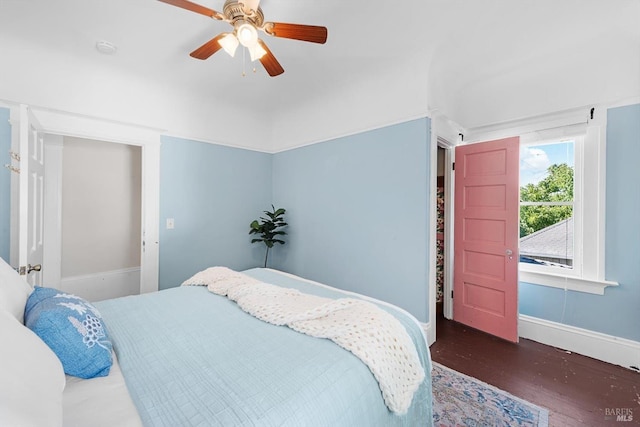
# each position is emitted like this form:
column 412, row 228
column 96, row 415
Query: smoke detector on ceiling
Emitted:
column 106, row 47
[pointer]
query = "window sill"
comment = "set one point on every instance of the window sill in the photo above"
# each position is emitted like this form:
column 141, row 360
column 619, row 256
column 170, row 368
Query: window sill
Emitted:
column 571, row 283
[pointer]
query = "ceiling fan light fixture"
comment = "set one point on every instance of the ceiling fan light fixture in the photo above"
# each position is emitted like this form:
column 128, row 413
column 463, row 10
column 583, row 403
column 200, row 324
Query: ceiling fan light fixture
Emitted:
column 247, row 34
column 246, row 17
column 256, row 52
column 229, row 43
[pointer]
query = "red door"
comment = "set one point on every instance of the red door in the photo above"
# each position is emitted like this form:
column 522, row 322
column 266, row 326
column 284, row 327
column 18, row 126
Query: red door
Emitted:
column 486, row 231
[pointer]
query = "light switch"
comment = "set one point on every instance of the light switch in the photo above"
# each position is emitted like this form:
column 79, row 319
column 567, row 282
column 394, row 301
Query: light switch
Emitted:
column 169, row 223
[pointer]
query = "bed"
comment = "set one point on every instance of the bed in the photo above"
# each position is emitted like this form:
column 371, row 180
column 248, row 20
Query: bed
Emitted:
column 188, row 357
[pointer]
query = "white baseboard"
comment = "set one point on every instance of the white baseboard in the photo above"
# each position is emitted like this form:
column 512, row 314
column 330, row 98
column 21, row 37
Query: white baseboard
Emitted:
column 103, row 285
column 429, row 332
column 608, row 348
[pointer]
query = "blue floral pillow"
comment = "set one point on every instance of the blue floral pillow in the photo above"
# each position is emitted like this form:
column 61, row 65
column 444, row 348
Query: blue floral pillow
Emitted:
column 73, row 329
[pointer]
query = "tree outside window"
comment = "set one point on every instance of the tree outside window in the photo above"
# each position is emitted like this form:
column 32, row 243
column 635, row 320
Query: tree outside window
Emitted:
column 547, row 204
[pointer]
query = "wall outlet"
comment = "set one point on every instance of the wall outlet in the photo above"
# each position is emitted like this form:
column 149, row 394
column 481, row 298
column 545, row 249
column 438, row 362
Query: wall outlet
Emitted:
column 170, row 224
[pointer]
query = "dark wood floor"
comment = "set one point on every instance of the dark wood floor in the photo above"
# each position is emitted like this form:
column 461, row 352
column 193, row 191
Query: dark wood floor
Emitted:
column 577, row 390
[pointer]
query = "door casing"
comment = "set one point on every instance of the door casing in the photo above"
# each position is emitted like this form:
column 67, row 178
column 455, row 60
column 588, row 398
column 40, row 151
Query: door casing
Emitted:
column 68, row 124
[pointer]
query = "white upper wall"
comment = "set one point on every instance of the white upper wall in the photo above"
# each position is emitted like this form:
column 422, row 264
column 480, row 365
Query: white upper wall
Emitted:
column 367, row 101
column 476, row 63
column 93, row 86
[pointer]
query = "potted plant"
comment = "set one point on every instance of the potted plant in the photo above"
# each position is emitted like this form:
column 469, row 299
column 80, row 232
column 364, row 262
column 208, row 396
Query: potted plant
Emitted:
column 268, row 228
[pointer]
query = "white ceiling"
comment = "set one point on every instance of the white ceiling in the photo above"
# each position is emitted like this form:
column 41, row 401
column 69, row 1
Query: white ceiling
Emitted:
column 477, row 62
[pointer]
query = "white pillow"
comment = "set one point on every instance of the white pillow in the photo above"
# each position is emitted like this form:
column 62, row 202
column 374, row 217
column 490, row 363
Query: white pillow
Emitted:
column 31, row 378
column 14, row 291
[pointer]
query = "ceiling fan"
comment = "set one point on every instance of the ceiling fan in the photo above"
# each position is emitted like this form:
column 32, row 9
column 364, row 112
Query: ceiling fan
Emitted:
column 246, row 18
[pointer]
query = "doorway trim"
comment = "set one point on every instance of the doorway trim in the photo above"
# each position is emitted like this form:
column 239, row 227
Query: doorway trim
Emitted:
column 449, row 181
column 58, row 124
column 447, row 134
column 443, row 131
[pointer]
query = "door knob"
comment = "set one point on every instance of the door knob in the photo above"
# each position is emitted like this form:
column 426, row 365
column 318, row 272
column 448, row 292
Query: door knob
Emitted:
column 509, row 253
column 36, row 267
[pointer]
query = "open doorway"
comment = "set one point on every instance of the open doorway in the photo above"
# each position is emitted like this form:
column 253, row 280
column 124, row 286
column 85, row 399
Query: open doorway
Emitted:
column 93, row 214
column 56, row 125
column 444, row 228
column 440, row 234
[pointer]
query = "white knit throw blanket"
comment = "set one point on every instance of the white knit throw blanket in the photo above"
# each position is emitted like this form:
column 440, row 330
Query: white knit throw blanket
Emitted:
column 367, row 331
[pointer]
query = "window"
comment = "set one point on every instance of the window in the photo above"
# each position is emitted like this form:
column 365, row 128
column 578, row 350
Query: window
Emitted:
column 562, row 207
column 547, row 204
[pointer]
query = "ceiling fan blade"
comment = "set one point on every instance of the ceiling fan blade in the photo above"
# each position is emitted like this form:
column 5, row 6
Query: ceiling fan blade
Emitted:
column 185, row 4
column 269, row 62
column 209, row 48
column 307, row 33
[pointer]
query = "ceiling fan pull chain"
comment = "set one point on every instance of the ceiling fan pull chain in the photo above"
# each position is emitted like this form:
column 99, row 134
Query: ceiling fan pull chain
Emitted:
column 244, row 62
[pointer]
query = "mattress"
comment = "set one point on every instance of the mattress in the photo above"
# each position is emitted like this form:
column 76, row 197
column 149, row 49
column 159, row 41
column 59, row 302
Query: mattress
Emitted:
column 99, row 402
column 193, row 358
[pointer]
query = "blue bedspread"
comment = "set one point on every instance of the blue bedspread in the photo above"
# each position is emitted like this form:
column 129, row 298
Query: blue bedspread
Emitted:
column 193, row 358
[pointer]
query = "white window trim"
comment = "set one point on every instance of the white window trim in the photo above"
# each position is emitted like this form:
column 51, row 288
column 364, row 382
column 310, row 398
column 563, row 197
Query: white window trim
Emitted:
column 589, row 275
column 579, row 284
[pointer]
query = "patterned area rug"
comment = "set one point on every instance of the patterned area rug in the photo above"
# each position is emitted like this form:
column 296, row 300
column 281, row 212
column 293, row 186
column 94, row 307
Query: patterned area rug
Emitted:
column 460, row 400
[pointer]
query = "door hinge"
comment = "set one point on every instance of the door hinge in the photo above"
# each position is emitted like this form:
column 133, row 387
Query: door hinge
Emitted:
column 453, row 166
column 451, row 294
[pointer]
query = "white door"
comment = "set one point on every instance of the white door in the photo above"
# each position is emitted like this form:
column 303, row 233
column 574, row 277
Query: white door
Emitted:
column 31, row 197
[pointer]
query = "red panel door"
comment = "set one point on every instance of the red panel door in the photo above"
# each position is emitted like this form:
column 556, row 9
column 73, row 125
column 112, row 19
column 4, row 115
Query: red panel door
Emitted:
column 486, row 231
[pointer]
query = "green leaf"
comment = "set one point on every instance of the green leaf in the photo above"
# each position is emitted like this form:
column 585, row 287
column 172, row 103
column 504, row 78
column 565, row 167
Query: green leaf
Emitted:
column 557, row 186
column 268, row 227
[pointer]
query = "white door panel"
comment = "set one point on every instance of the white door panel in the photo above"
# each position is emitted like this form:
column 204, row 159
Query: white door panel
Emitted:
column 31, row 197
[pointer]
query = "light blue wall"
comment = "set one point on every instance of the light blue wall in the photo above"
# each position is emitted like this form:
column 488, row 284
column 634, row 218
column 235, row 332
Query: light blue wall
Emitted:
column 213, row 193
column 358, row 213
column 5, row 183
column 359, row 220
column 618, row 311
